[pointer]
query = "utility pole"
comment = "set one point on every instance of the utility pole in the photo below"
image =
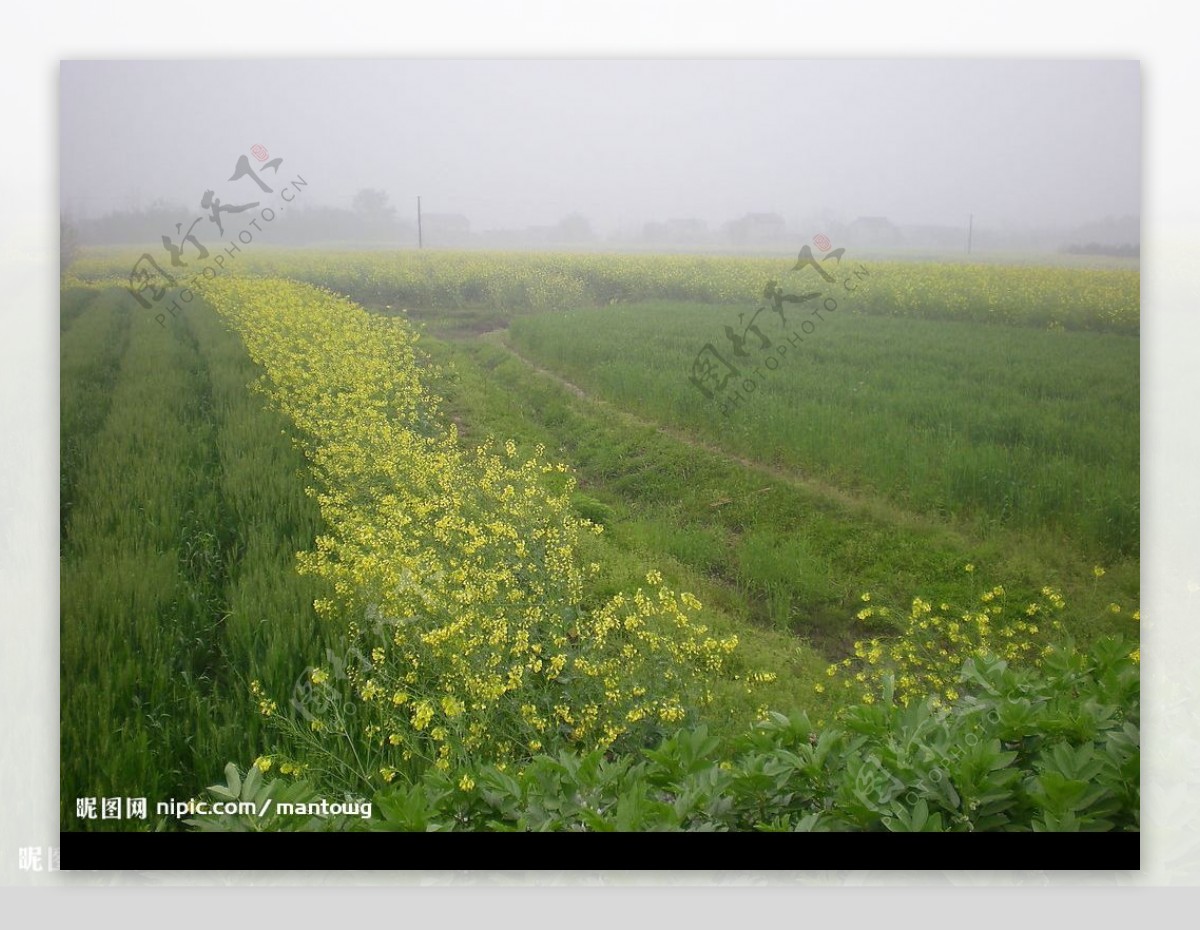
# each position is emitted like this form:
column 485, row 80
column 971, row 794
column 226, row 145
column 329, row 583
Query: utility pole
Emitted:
column 420, row 238
column 970, row 229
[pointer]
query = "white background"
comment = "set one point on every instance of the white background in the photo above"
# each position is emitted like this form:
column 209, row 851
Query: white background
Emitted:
column 35, row 37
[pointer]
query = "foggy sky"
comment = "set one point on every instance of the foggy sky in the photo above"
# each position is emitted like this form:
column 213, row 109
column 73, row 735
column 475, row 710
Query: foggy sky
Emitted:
column 517, row 143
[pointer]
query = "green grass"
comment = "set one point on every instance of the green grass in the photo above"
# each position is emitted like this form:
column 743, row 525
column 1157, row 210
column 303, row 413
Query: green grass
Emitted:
column 94, row 337
column 989, row 428
column 177, row 565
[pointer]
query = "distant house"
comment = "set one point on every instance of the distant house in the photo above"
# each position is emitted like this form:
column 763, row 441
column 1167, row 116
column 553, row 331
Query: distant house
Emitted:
column 676, row 230
column 868, row 231
column 756, row 228
column 445, row 229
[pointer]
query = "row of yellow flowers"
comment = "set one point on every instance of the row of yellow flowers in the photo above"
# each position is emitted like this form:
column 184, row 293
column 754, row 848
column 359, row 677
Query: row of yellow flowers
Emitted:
column 922, row 650
column 1052, row 297
column 455, row 570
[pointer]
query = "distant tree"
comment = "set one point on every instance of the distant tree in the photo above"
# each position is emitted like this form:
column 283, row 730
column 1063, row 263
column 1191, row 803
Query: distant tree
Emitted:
column 68, row 244
column 574, row 228
column 373, row 203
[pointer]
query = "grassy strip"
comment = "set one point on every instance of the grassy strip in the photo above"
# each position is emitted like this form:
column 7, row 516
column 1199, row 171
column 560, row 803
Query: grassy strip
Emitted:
column 132, row 715
column 72, row 302
column 91, row 351
column 270, row 630
column 986, row 428
column 178, row 550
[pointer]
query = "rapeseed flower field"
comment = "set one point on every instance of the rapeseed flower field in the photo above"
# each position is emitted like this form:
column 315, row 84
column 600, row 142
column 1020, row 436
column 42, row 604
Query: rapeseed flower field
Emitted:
column 454, row 530
column 455, row 570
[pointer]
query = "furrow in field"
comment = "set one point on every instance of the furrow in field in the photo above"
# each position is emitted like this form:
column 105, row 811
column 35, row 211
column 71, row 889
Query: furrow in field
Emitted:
column 90, row 356
column 872, row 506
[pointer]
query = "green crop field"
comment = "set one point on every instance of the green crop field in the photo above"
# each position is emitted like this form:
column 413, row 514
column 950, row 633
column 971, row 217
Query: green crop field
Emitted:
column 989, row 428
column 182, row 508
column 466, row 535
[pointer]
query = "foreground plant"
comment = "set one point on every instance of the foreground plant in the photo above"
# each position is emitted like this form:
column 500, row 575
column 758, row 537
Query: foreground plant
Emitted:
column 453, row 575
column 1054, row 748
column 920, row 651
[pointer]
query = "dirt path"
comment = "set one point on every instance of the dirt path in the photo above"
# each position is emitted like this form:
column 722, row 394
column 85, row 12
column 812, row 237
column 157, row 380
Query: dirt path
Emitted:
column 870, row 506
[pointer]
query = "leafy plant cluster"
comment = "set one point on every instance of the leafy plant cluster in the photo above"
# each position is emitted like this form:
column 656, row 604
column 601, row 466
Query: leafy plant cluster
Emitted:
column 930, row 644
column 1049, row 748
